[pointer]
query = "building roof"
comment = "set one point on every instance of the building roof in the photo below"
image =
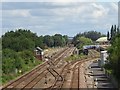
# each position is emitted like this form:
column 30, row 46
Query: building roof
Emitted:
column 102, row 39
column 38, row 48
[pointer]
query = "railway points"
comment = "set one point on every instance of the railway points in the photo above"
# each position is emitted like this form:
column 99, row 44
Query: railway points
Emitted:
column 57, row 73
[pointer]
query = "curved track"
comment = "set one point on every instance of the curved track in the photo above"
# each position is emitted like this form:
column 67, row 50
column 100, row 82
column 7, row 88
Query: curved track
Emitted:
column 70, row 73
column 31, row 78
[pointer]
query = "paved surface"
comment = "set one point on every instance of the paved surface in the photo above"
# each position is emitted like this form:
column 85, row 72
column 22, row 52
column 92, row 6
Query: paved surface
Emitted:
column 88, row 77
column 83, row 82
column 99, row 76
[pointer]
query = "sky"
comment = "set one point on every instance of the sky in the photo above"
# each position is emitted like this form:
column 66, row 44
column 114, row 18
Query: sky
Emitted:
column 66, row 17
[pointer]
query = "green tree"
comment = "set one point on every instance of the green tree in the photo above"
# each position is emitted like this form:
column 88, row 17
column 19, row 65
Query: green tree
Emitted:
column 114, row 56
column 115, row 32
column 58, row 40
column 114, row 53
column 48, row 40
column 93, row 35
column 18, row 46
column 118, row 30
column 108, row 35
column 8, row 59
column 19, row 40
column 66, row 39
column 112, row 32
column 81, row 41
column 8, row 65
column 39, row 42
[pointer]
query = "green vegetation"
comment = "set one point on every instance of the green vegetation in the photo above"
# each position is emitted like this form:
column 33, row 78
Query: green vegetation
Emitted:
column 93, row 35
column 86, row 38
column 0, row 61
column 114, row 52
column 81, row 41
column 17, row 51
column 16, row 63
column 75, row 57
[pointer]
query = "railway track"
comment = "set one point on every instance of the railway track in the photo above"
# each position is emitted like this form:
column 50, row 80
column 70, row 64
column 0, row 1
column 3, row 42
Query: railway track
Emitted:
column 30, row 79
column 77, row 71
column 71, row 75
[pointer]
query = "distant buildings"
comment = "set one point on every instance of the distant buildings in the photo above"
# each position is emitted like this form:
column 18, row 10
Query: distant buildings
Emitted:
column 102, row 41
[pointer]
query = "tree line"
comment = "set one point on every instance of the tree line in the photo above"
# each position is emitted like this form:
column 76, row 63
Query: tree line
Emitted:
column 25, row 39
column 18, row 47
column 86, row 38
column 113, row 32
column 114, row 51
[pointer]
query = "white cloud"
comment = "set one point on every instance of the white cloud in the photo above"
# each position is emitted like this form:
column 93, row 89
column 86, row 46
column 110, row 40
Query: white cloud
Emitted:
column 60, row 1
column 82, row 11
column 70, row 11
column 99, row 11
column 63, row 1
column 16, row 13
column 115, row 6
column 23, row 13
column 60, row 17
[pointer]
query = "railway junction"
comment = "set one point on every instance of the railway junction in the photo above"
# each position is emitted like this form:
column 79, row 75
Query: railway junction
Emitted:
column 57, row 73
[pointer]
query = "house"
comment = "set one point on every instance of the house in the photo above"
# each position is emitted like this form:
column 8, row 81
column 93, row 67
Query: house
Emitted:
column 38, row 52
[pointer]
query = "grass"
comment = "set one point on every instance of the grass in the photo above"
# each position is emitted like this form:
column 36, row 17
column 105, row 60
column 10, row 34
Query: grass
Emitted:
column 75, row 57
column 109, row 71
column 11, row 76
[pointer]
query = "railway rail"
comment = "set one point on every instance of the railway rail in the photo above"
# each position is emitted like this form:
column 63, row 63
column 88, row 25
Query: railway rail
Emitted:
column 31, row 78
column 74, row 68
column 70, row 73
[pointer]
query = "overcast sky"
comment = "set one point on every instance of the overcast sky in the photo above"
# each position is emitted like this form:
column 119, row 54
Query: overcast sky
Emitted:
column 61, row 17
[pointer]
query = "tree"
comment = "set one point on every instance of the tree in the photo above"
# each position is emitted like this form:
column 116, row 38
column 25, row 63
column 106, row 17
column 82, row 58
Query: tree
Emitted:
column 118, row 30
column 93, row 35
column 81, row 41
column 112, row 32
column 48, row 40
column 19, row 40
column 8, row 65
column 58, row 40
column 114, row 56
column 39, row 42
column 8, row 59
column 66, row 39
column 108, row 35
column 114, row 53
column 115, row 32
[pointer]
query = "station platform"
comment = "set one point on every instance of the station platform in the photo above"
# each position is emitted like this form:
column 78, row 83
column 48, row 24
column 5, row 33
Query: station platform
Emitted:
column 100, row 77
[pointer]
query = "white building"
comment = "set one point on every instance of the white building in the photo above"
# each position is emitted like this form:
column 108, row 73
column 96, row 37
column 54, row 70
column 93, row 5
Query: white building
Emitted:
column 102, row 41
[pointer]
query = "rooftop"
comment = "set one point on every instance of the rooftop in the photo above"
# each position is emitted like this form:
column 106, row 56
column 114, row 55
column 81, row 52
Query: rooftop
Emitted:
column 102, row 39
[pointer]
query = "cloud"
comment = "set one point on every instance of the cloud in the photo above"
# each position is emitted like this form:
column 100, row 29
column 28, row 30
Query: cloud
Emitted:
column 115, row 6
column 99, row 10
column 23, row 13
column 63, row 1
column 15, row 13
column 54, row 17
